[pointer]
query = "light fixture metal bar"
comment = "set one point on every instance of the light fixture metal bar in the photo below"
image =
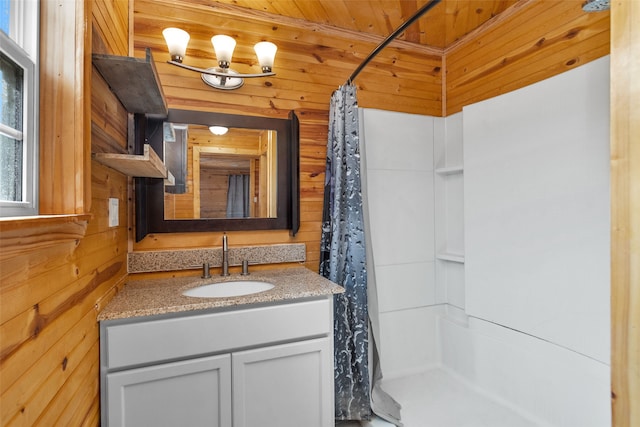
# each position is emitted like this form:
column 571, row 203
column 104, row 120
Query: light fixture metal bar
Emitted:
column 218, row 73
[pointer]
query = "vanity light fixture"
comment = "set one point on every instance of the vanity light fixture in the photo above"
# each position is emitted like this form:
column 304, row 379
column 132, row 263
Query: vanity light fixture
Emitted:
column 218, row 130
column 220, row 77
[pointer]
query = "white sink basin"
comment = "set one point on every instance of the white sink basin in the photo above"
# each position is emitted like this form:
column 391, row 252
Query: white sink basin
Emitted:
column 228, row 289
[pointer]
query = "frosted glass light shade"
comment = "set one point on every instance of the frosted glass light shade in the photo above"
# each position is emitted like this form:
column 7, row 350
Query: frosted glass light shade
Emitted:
column 218, row 130
column 223, row 45
column 266, row 52
column 177, row 41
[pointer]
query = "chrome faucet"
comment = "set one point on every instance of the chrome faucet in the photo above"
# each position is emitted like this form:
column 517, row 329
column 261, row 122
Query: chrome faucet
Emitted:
column 225, row 256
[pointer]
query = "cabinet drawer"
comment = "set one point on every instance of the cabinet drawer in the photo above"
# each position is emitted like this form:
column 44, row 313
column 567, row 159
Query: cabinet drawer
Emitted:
column 156, row 340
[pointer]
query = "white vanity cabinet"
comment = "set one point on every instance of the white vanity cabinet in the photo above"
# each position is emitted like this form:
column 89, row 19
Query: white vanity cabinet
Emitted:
column 264, row 366
column 190, row 393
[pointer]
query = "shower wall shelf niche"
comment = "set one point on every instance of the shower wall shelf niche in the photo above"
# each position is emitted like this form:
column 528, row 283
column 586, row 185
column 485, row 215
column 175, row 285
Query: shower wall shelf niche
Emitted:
column 449, row 170
column 444, row 256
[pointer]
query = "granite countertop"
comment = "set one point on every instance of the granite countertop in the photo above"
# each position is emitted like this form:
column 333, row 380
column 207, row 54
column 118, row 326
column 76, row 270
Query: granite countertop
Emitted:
column 160, row 296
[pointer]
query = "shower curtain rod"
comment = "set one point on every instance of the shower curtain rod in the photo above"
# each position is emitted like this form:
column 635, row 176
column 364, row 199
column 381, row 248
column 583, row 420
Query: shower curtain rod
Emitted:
column 424, row 9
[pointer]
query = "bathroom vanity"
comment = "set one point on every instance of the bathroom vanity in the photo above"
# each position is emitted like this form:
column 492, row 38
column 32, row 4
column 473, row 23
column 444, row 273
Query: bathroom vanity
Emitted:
column 264, row 359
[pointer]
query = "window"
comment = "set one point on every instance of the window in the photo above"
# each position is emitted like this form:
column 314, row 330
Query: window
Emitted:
column 18, row 107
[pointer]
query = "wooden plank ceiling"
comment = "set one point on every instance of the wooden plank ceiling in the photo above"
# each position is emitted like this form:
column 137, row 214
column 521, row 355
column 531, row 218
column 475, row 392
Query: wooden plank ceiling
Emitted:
column 446, row 23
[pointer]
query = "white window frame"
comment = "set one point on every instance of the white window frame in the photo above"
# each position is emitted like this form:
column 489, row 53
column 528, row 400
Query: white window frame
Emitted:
column 21, row 46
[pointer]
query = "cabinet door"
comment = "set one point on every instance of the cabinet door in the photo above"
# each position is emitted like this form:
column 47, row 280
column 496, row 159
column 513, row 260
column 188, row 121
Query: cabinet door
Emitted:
column 188, row 393
column 289, row 385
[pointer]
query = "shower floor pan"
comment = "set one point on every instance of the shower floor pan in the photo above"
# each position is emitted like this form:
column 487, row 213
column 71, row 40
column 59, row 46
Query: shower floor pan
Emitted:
column 438, row 399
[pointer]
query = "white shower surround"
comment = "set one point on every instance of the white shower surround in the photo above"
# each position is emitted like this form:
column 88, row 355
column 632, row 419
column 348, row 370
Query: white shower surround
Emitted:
column 559, row 375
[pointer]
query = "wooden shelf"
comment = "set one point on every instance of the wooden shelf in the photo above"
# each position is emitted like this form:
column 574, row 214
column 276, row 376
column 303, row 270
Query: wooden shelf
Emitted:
column 146, row 165
column 449, row 170
column 134, row 81
column 444, row 256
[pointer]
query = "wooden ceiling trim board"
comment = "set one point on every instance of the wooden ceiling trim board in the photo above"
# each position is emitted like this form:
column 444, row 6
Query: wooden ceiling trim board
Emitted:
column 521, row 75
column 493, row 23
column 545, row 64
column 401, row 64
column 519, row 30
column 253, row 15
column 290, row 57
column 375, row 17
column 403, row 27
column 520, row 37
column 467, row 97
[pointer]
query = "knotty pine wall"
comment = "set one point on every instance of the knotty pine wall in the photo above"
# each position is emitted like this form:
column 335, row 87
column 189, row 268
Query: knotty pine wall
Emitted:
column 538, row 40
column 312, row 61
column 531, row 41
column 50, row 294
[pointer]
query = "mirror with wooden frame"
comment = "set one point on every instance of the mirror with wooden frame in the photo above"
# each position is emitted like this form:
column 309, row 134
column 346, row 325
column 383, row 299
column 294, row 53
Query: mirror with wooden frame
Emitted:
column 246, row 179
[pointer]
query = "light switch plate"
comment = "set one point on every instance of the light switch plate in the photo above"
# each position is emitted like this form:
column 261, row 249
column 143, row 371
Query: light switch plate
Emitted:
column 113, row 212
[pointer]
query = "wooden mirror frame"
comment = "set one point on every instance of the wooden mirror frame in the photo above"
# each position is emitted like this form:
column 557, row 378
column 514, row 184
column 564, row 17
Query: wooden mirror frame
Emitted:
column 149, row 192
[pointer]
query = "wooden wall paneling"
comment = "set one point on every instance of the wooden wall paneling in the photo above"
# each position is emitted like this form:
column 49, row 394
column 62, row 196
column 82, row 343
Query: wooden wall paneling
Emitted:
column 79, row 397
column 553, row 52
column 445, row 23
column 522, row 74
column 515, row 71
column 52, row 349
column 311, row 52
column 39, row 271
column 490, row 38
column 625, row 213
column 537, row 42
column 50, row 292
column 310, row 65
column 64, row 124
column 25, row 329
column 108, row 131
column 48, row 379
column 111, row 21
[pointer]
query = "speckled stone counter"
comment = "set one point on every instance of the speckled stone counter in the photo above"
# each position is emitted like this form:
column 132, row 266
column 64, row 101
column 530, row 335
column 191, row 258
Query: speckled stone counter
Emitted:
column 189, row 259
column 160, row 296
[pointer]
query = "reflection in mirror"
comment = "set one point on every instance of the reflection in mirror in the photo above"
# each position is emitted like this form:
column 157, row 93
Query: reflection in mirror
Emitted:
column 230, row 175
column 258, row 155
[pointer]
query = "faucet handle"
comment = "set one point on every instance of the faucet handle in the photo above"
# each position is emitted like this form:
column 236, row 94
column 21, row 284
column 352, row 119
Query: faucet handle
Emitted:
column 206, row 274
column 245, row 267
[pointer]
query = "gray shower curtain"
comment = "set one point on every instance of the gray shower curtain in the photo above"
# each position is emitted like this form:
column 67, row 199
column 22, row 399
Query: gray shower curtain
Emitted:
column 343, row 260
column 238, row 196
